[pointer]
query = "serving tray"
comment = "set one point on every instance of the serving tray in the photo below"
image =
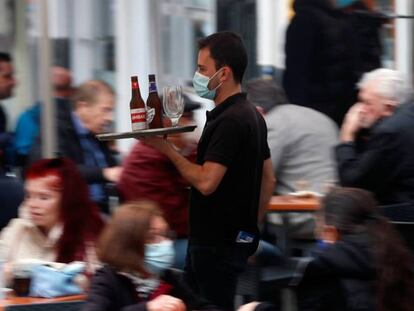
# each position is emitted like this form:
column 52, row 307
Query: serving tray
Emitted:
column 146, row 133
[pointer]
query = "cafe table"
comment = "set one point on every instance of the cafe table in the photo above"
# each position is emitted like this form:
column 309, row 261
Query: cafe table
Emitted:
column 14, row 301
column 285, row 204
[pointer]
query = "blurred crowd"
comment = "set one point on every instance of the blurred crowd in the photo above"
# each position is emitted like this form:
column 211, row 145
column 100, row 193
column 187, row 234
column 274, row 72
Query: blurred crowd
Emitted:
column 190, row 212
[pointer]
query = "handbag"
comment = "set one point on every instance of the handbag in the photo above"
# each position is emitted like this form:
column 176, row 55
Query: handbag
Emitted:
column 50, row 282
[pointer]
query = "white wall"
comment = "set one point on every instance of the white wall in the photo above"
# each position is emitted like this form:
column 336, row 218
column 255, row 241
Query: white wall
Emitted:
column 134, row 56
column 82, row 39
column 272, row 21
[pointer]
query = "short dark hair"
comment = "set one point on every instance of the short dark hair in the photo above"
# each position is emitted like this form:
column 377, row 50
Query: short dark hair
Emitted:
column 265, row 93
column 227, row 49
column 5, row 57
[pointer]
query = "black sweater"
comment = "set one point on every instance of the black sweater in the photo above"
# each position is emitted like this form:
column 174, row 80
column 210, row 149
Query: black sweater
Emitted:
column 340, row 278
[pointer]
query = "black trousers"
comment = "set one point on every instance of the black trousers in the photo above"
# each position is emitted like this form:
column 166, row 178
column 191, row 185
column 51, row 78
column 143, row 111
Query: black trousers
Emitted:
column 212, row 271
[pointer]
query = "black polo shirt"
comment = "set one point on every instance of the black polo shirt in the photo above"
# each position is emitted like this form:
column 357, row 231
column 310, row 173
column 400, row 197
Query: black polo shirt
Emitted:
column 235, row 135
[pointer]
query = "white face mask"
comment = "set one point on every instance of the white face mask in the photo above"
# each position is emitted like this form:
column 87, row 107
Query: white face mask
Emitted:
column 159, row 256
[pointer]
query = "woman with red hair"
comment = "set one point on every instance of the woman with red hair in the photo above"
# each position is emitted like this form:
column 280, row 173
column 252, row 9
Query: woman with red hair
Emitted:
column 58, row 222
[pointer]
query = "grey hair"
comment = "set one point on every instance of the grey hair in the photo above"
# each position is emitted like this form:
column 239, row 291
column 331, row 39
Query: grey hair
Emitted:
column 389, row 84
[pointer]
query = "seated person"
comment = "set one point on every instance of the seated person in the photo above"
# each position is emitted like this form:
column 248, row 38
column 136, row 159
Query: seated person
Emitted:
column 137, row 253
column 301, row 141
column 93, row 105
column 148, row 174
column 58, row 222
column 377, row 136
column 362, row 265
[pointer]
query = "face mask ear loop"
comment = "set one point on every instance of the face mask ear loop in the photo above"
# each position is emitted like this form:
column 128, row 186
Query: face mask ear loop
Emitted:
column 212, row 78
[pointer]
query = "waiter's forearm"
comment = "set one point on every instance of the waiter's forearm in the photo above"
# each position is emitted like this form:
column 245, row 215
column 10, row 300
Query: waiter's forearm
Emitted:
column 205, row 178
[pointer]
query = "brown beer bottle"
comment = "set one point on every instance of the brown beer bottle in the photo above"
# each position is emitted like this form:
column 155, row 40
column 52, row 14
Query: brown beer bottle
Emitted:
column 154, row 102
column 137, row 107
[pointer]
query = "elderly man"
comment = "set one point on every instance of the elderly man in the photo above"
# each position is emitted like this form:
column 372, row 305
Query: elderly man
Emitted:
column 377, row 136
column 93, row 107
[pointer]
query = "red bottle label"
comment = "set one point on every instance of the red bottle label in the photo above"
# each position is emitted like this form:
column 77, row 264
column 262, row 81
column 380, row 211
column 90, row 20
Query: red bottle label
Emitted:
column 138, row 119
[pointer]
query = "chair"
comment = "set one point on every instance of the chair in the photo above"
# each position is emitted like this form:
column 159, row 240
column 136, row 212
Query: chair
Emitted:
column 406, row 230
column 53, row 306
column 265, row 283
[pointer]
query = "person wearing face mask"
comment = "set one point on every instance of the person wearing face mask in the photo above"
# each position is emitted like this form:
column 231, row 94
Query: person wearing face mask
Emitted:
column 232, row 178
column 363, row 266
column 136, row 254
column 149, row 174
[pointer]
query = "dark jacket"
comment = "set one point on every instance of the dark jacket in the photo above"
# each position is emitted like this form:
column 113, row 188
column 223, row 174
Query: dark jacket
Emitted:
column 111, row 291
column 5, row 138
column 69, row 145
column 11, row 196
column 319, row 59
column 340, row 278
column 385, row 165
column 364, row 26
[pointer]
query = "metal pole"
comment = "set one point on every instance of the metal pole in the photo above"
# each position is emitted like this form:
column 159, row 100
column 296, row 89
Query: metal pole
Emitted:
column 48, row 128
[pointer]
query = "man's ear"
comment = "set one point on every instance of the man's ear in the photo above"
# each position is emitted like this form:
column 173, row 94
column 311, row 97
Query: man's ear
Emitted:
column 329, row 234
column 220, row 77
column 390, row 106
column 226, row 74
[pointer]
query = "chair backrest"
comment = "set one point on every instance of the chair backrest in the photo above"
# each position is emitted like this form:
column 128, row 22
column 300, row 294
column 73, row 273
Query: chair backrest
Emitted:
column 53, row 306
column 406, row 230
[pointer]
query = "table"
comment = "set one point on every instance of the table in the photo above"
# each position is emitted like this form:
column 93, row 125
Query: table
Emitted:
column 289, row 203
column 30, row 300
column 286, row 204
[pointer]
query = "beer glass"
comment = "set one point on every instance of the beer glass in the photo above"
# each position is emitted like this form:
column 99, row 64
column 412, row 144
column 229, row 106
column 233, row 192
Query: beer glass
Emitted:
column 173, row 102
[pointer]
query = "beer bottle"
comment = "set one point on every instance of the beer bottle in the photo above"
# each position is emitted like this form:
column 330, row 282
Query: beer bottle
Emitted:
column 154, row 104
column 137, row 107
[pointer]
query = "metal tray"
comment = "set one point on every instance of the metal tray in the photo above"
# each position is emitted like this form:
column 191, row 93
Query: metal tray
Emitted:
column 145, row 133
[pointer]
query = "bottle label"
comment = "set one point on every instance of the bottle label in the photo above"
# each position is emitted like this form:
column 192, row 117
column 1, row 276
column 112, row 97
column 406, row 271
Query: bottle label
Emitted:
column 138, row 119
column 152, row 87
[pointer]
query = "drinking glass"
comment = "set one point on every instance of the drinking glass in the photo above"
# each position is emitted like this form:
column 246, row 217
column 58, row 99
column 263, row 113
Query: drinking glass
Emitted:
column 173, row 103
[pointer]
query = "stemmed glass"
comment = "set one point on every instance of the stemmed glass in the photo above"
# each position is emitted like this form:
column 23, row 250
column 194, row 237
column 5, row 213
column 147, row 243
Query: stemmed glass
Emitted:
column 173, row 102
